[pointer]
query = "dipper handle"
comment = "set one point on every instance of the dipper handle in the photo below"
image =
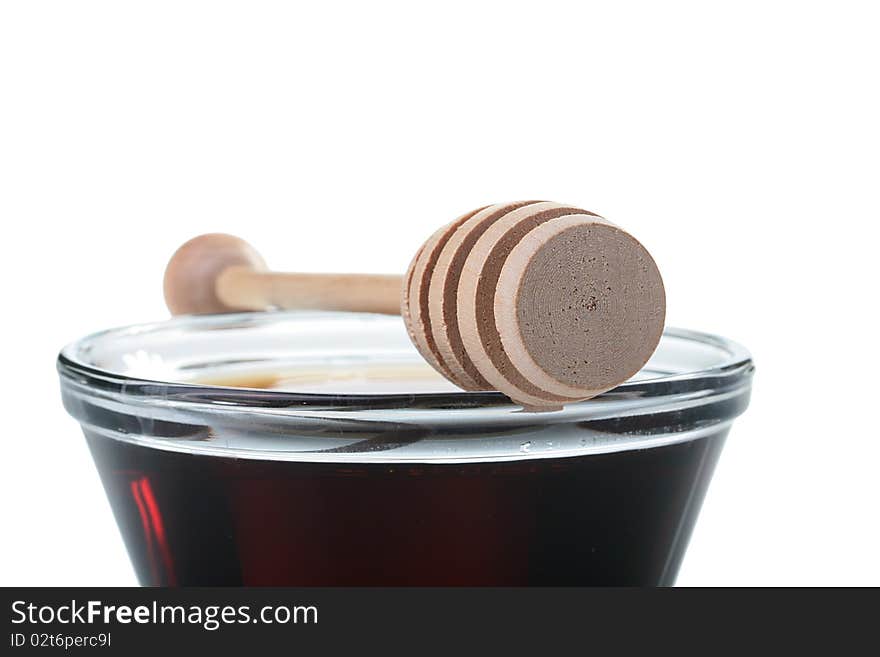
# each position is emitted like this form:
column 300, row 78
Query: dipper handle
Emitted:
column 219, row 273
column 245, row 288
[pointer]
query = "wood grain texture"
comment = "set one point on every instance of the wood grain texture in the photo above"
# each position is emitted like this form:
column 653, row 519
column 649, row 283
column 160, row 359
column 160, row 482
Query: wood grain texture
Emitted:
column 415, row 308
column 443, row 296
column 579, row 306
column 476, row 302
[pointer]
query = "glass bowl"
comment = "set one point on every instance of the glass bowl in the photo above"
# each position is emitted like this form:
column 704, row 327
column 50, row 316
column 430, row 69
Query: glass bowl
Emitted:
column 307, row 448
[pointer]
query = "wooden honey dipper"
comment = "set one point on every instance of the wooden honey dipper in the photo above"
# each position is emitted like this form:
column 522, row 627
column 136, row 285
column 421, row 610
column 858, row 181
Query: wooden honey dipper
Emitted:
column 545, row 302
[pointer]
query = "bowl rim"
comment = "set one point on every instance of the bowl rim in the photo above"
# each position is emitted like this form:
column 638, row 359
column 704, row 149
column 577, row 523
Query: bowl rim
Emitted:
column 732, row 370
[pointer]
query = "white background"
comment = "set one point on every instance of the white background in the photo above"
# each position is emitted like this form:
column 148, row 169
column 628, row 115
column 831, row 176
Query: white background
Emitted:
column 738, row 141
